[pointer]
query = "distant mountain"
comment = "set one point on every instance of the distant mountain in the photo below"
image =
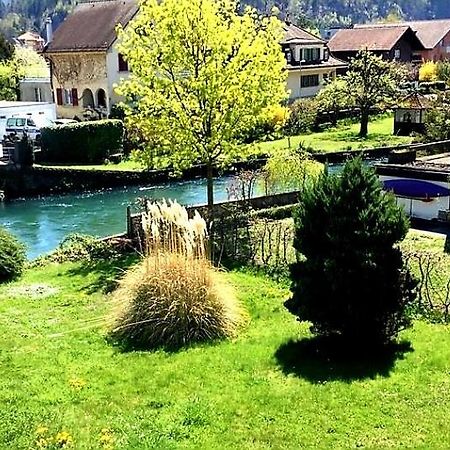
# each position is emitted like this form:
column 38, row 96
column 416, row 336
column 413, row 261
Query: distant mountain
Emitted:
column 17, row 16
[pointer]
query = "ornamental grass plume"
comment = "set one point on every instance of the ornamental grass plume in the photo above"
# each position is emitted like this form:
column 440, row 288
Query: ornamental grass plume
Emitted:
column 174, row 297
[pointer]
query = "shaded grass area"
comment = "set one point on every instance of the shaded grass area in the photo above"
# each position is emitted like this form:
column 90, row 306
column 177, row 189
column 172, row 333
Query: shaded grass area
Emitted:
column 268, row 388
column 344, row 137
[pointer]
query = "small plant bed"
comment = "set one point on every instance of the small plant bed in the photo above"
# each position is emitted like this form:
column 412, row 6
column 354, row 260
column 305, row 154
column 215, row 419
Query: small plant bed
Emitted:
column 63, row 385
column 343, row 137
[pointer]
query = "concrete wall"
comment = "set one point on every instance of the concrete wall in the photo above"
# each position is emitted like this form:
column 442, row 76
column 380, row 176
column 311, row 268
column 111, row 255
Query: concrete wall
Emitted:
column 114, row 75
column 293, row 83
column 80, row 70
column 29, row 87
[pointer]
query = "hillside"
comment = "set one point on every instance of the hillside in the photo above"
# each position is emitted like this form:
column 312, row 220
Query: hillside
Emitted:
column 19, row 15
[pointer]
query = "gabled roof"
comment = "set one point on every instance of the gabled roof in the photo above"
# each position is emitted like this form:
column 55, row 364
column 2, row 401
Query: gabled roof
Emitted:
column 372, row 38
column 30, row 36
column 296, row 35
column 430, row 32
column 415, row 100
column 92, row 26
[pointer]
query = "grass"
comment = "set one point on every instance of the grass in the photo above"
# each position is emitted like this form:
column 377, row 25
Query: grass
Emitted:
column 344, row 137
column 123, row 165
column 266, row 389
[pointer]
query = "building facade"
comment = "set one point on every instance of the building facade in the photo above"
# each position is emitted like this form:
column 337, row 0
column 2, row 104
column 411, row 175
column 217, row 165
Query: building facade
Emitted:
column 309, row 63
column 86, row 66
column 391, row 42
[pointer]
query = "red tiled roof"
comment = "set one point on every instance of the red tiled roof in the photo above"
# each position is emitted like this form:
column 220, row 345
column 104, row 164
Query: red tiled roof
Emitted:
column 91, row 26
column 429, row 32
column 374, row 38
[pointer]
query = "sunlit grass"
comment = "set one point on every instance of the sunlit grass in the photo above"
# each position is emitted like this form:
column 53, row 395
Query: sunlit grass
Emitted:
column 344, row 137
column 257, row 391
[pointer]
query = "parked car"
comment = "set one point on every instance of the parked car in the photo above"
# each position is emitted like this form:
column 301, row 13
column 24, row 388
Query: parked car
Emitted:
column 17, row 127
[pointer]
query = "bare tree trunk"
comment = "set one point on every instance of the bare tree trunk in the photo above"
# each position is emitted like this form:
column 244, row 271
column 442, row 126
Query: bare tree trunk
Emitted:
column 364, row 123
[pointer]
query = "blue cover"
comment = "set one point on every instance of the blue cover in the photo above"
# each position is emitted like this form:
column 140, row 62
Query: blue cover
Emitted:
column 415, row 188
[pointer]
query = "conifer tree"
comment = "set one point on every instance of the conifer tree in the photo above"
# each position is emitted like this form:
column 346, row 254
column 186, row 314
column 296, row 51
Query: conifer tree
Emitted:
column 350, row 279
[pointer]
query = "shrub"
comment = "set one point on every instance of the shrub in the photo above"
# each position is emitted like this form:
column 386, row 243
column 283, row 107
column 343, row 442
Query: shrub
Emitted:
column 174, row 297
column 302, row 117
column 350, row 279
column 12, row 257
column 428, row 71
column 79, row 247
column 83, row 142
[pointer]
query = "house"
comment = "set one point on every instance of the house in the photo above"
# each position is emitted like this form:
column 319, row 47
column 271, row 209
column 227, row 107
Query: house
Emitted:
column 32, row 40
column 84, row 62
column 309, row 63
column 391, row 42
column 433, row 34
column 85, row 65
column 36, row 89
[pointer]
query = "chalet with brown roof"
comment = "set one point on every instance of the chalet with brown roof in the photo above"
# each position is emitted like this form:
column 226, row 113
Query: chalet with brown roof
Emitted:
column 433, row 34
column 31, row 39
column 309, row 62
column 84, row 62
column 391, row 42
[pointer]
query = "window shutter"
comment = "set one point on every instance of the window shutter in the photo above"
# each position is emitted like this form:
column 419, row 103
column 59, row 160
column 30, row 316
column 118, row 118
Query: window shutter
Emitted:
column 74, row 96
column 59, row 97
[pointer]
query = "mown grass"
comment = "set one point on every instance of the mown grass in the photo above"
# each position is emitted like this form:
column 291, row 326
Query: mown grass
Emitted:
column 343, row 137
column 263, row 390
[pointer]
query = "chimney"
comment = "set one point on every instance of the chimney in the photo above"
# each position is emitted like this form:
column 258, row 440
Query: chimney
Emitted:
column 49, row 29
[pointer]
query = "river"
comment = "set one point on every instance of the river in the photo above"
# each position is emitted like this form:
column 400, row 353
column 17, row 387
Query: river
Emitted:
column 42, row 223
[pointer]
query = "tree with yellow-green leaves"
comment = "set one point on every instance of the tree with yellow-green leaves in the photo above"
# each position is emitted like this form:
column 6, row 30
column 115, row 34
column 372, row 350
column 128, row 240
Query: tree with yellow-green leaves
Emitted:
column 428, row 71
column 201, row 75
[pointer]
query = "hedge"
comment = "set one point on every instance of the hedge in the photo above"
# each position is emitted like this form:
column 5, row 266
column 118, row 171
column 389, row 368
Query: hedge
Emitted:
column 83, row 142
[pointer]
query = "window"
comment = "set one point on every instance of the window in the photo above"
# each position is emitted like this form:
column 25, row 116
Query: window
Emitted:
column 123, row 65
column 67, row 100
column 311, row 54
column 397, row 53
column 309, row 81
column 30, row 123
column 37, row 94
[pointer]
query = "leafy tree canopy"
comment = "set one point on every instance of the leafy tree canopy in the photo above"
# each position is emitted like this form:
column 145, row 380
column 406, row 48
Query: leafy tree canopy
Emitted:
column 201, row 76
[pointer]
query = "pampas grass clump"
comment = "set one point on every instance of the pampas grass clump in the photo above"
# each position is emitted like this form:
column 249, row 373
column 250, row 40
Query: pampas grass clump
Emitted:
column 174, row 297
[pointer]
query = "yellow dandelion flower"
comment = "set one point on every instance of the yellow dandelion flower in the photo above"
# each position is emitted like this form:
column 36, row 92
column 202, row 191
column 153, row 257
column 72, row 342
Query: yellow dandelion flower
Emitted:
column 41, row 429
column 63, row 439
column 77, row 383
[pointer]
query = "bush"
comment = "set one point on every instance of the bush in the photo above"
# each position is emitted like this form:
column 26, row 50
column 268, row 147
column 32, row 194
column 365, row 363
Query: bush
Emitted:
column 12, row 257
column 165, row 302
column 174, row 297
column 350, row 278
column 302, row 117
column 79, row 247
column 83, row 142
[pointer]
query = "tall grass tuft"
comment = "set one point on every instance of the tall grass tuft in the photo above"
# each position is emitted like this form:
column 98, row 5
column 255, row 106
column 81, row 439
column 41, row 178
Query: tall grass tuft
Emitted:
column 174, row 297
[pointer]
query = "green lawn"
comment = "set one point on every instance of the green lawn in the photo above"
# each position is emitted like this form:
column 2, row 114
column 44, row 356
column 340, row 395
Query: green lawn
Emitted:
column 123, row 165
column 344, row 137
column 264, row 390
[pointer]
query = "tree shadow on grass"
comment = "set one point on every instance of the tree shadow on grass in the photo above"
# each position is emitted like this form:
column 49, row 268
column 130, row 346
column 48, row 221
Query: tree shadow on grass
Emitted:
column 107, row 272
column 328, row 358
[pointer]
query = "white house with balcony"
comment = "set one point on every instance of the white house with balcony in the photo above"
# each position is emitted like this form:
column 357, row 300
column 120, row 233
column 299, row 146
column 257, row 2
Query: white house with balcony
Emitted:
column 85, row 64
column 309, row 63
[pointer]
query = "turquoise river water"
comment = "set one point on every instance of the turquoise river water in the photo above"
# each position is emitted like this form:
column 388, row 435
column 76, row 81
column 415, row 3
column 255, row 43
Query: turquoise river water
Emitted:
column 42, row 223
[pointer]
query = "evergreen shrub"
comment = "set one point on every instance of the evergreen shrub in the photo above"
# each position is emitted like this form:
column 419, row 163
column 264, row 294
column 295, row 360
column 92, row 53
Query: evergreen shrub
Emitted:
column 12, row 257
column 82, row 142
column 350, row 279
